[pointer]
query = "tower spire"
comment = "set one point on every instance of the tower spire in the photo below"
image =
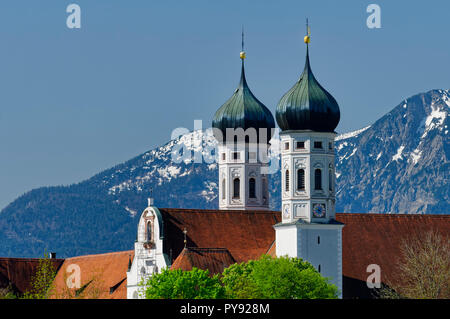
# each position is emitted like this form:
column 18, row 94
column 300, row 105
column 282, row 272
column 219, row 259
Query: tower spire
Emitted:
column 242, row 54
column 242, row 46
column 307, row 37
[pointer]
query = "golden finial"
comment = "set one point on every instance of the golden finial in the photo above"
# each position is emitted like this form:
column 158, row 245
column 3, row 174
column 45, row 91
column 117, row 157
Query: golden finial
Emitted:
column 307, row 37
column 242, row 54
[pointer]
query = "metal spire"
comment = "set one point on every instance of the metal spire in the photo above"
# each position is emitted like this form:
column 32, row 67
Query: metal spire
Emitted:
column 242, row 39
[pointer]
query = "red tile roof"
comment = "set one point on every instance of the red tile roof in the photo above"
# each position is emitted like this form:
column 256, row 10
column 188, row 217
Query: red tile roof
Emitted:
column 104, row 274
column 376, row 239
column 241, row 235
column 213, row 259
column 245, row 234
column 18, row 272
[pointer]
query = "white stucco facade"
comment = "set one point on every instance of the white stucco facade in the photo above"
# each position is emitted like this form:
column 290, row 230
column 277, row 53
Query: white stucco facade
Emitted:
column 148, row 252
column 243, row 181
column 308, row 229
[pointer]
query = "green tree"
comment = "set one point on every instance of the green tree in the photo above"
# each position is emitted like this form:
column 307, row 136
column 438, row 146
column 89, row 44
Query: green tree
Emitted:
column 179, row 284
column 277, row 278
column 42, row 281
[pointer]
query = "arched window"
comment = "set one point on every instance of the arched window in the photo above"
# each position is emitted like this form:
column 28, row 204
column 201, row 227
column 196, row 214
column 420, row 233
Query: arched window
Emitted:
column 318, row 179
column 301, row 179
column 223, row 188
column 330, row 180
column 287, row 180
column 149, row 231
column 236, row 188
column 252, row 188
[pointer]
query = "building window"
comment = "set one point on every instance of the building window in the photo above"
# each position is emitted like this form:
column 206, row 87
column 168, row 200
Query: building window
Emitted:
column 317, row 144
column 287, row 181
column 149, row 231
column 223, row 156
column 301, row 179
column 330, row 180
column 223, row 188
column 236, row 188
column 318, row 268
column 300, row 145
column 286, row 145
column 252, row 188
column 318, row 240
column 235, row 155
column 318, row 179
column 330, row 145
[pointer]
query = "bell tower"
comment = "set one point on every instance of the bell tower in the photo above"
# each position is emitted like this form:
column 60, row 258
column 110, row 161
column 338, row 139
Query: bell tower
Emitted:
column 308, row 115
column 243, row 127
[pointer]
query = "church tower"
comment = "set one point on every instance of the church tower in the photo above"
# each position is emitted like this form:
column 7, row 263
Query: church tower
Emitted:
column 243, row 127
column 307, row 116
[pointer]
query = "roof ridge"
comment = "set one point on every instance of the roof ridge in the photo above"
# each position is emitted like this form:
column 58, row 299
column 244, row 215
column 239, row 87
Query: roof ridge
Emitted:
column 102, row 254
column 194, row 210
column 384, row 215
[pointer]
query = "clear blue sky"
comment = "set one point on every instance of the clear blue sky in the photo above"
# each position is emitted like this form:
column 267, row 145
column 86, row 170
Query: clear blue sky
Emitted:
column 75, row 102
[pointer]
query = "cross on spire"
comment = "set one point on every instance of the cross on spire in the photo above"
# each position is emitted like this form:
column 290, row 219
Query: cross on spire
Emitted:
column 185, row 232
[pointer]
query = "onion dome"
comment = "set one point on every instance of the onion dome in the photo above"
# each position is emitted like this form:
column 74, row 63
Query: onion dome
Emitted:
column 307, row 105
column 244, row 110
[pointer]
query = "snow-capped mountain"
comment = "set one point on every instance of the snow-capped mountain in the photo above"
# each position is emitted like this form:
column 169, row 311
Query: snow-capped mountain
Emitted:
column 399, row 164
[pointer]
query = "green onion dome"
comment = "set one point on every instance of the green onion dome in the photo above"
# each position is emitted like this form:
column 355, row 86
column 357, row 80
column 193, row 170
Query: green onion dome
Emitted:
column 244, row 110
column 307, row 105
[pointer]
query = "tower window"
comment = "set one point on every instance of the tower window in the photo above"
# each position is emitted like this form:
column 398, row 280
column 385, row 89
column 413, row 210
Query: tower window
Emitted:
column 318, row 179
column 235, row 155
column 223, row 156
column 286, row 145
column 318, row 240
column 300, row 145
column 149, row 232
column 287, row 180
column 236, row 188
column 301, row 179
column 317, row 144
column 318, row 268
column 330, row 180
column 252, row 188
column 330, row 145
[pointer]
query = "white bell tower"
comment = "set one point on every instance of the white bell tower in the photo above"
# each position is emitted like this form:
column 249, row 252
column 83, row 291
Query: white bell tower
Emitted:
column 308, row 115
column 243, row 127
column 243, row 181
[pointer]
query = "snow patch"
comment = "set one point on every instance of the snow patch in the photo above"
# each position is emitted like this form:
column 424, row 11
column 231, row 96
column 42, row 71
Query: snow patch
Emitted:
column 351, row 134
column 398, row 156
column 210, row 193
column 130, row 211
column 415, row 156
